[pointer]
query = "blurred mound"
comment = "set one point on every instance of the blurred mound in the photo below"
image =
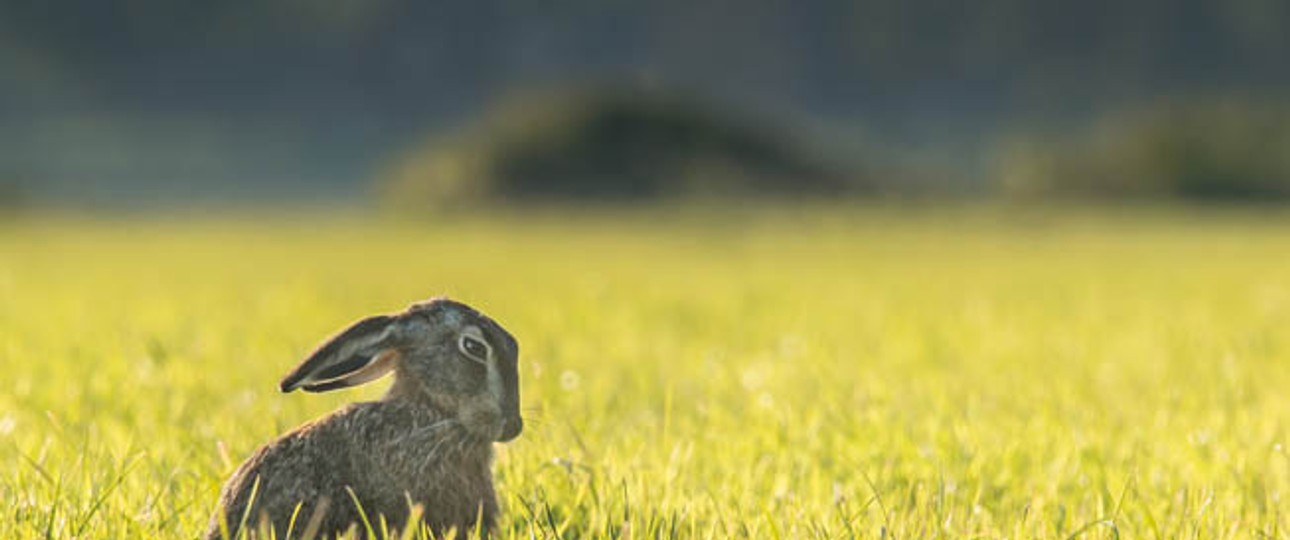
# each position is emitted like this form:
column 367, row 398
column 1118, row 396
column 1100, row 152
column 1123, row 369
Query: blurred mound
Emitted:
column 1203, row 150
column 13, row 198
column 611, row 145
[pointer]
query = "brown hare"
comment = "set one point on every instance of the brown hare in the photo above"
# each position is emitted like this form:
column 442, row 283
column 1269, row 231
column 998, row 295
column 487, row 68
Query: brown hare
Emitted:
column 427, row 443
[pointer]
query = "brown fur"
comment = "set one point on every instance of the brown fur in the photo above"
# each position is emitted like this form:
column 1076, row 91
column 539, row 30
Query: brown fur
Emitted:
column 419, row 445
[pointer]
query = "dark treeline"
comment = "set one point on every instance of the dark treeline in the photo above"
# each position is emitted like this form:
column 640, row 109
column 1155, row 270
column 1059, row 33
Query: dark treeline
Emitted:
column 155, row 98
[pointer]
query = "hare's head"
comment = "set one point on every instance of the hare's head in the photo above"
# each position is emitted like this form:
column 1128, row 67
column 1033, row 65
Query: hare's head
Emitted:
column 443, row 352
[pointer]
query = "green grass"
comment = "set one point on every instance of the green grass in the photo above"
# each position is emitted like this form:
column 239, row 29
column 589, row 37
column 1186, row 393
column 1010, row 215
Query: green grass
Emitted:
column 861, row 373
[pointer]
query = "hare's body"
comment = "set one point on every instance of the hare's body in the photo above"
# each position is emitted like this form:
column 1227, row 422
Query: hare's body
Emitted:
column 417, row 446
column 389, row 454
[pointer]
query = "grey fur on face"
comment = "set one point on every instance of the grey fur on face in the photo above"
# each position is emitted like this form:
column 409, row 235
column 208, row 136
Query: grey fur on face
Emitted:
column 427, row 442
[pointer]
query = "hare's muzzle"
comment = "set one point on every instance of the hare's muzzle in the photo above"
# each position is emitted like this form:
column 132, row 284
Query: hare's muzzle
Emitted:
column 511, row 428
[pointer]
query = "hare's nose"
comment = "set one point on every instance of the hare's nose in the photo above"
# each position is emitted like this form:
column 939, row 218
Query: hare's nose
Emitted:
column 511, row 428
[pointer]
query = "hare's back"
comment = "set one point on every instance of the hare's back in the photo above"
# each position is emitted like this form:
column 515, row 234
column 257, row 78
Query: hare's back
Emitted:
column 307, row 468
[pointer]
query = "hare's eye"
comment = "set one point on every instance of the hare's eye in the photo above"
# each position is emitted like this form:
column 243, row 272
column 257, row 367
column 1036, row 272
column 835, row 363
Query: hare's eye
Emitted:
column 474, row 348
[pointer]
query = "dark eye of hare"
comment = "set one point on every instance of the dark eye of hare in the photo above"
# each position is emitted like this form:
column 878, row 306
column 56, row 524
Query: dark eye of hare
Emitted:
column 474, row 348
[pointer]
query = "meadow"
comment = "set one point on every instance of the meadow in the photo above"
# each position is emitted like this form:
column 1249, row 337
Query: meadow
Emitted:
column 820, row 373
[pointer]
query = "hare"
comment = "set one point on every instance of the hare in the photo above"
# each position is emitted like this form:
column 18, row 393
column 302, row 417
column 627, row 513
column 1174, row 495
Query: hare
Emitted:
column 427, row 442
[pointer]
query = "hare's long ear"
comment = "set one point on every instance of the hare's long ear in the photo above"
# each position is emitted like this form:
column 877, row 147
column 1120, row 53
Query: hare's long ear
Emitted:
column 363, row 352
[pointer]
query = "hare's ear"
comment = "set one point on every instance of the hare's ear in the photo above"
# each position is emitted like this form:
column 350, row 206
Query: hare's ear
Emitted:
column 363, row 352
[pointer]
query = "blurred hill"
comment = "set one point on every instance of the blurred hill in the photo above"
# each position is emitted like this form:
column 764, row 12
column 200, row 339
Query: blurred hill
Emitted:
column 1200, row 150
column 610, row 144
column 132, row 101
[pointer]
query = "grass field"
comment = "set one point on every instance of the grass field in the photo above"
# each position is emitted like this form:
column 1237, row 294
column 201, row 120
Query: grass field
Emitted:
column 867, row 373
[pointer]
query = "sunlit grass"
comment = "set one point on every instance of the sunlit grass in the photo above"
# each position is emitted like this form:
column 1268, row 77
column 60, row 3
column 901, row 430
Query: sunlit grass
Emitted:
column 834, row 374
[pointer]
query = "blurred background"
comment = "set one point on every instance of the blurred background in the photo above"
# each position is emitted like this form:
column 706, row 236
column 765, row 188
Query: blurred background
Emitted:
column 411, row 105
